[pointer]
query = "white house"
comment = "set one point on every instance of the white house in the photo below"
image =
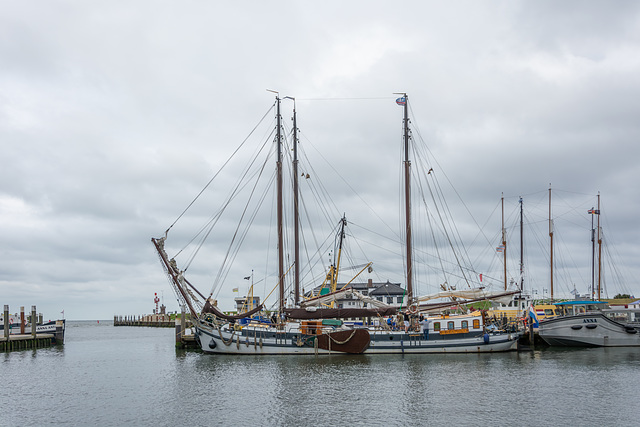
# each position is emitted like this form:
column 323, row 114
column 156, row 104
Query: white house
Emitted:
column 389, row 293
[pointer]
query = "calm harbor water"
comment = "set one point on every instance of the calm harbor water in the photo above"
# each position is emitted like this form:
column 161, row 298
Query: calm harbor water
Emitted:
column 108, row 376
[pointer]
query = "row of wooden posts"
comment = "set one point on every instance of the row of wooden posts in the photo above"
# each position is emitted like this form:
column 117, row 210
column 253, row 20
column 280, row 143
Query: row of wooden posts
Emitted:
column 181, row 324
column 154, row 320
column 23, row 340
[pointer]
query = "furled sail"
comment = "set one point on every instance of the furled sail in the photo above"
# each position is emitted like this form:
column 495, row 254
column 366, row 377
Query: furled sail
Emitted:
column 467, row 294
column 337, row 313
column 209, row 308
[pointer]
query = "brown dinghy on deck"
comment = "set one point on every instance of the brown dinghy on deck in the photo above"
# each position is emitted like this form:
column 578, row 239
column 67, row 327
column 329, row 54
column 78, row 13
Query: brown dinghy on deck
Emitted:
column 353, row 341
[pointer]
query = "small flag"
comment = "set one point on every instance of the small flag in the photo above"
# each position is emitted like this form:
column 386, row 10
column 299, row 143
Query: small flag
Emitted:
column 594, row 211
column 401, row 101
column 247, row 278
column 235, row 289
column 500, row 248
column 532, row 314
column 481, row 277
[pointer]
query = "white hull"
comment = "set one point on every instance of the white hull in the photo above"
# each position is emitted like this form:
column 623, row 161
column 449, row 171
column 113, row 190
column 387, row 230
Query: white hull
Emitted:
column 47, row 328
column 395, row 342
column 588, row 330
column 264, row 342
column 268, row 341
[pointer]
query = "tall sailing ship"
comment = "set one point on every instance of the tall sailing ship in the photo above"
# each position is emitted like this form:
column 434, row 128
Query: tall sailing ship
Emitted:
column 316, row 325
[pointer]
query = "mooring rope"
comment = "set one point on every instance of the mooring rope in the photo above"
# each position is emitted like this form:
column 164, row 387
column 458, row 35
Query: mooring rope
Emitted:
column 222, row 338
column 341, row 342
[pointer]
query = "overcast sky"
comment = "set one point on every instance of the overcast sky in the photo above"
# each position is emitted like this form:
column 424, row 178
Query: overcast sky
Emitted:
column 113, row 116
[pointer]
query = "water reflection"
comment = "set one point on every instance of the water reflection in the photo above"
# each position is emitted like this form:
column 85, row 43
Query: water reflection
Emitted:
column 135, row 376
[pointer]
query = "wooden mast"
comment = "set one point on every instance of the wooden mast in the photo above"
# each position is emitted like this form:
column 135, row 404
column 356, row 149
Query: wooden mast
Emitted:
column 593, row 212
column 336, row 268
column 551, row 241
column 504, row 245
column 407, row 200
column 521, row 248
column 280, row 208
column 296, row 236
column 593, row 256
column 599, row 249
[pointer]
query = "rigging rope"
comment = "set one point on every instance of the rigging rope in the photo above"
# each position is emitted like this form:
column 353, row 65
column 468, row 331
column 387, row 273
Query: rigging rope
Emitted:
column 222, row 272
column 221, row 168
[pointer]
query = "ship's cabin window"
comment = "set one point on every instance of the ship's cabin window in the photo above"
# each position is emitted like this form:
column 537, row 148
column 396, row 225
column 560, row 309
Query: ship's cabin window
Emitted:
column 476, row 323
column 450, row 325
column 465, row 324
column 548, row 312
column 436, row 326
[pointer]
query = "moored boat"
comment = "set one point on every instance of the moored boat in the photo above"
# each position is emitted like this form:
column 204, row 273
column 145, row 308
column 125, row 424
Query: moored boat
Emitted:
column 585, row 324
column 301, row 327
column 53, row 327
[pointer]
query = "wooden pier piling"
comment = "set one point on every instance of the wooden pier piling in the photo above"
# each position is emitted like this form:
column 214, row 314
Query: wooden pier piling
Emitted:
column 25, row 342
column 33, row 321
column 6, row 322
column 153, row 321
column 184, row 340
column 180, row 322
column 32, row 340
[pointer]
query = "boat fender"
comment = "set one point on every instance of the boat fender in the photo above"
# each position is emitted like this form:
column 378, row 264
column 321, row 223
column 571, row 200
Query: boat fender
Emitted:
column 486, row 338
column 212, row 343
column 630, row 330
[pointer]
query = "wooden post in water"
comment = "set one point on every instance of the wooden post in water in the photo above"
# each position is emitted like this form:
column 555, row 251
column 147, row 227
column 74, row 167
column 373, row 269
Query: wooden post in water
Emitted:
column 6, row 322
column 59, row 334
column 178, row 323
column 21, row 320
column 33, row 321
column 183, row 321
